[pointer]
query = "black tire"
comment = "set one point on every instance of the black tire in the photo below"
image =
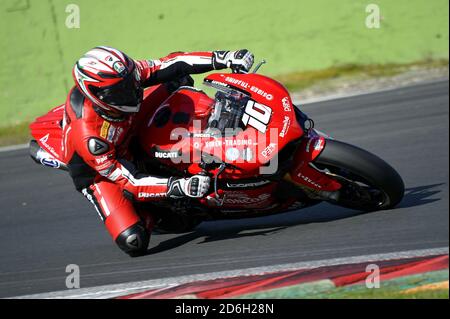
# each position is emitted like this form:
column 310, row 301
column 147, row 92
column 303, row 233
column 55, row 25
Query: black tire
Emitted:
column 354, row 163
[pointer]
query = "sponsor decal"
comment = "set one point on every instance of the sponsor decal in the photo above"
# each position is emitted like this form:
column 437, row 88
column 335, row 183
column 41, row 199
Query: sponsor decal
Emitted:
column 238, row 142
column 232, row 154
column 268, row 150
column 50, row 162
column 104, row 130
column 286, row 125
column 308, row 180
column 257, row 115
column 111, row 132
column 248, row 185
column 44, row 140
column 163, row 154
column 202, row 135
column 257, row 90
column 229, row 142
column 234, row 81
column 318, row 146
column 215, row 143
column 118, row 134
column 119, row 67
column 101, row 160
column 218, row 83
column 150, row 195
column 109, row 58
column 244, row 199
column 91, row 199
column 286, row 104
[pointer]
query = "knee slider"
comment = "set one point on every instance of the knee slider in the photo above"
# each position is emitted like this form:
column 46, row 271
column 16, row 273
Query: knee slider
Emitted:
column 134, row 240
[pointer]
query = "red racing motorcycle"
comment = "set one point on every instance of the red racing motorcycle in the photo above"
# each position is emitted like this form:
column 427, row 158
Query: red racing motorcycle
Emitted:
column 262, row 152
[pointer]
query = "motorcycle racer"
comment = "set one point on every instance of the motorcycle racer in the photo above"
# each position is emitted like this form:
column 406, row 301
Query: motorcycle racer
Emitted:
column 102, row 114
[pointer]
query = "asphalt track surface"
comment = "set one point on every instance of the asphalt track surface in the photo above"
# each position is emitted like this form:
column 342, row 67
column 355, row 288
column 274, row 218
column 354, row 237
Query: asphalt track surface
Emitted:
column 45, row 225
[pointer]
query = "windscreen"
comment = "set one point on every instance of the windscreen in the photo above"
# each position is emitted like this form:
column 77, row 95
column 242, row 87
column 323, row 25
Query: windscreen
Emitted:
column 229, row 105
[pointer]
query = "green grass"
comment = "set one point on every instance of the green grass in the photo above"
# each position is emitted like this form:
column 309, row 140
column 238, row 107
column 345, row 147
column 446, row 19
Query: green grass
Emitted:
column 321, row 38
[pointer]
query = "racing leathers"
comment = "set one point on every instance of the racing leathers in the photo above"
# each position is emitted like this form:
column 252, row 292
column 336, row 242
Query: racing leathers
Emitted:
column 96, row 149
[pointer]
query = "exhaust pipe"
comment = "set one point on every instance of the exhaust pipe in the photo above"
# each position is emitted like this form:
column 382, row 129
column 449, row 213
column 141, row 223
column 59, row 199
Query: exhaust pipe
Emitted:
column 40, row 156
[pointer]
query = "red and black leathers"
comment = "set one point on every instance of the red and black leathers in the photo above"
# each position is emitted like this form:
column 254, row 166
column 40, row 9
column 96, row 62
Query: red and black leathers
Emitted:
column 96, row 148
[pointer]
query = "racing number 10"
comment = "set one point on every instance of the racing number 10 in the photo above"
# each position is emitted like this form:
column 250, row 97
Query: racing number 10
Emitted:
column 257, row 115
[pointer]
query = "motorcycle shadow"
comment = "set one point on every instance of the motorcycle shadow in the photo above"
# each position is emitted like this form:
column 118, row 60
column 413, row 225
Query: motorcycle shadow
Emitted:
column 270, row 225
column 417, row 196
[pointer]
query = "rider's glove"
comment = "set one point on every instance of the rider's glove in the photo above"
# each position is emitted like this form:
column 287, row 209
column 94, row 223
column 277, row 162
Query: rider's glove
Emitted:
column 196, row 186
column 236, row 60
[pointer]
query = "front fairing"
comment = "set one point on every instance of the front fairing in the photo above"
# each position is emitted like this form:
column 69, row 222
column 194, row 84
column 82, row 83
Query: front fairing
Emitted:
column 246, row 134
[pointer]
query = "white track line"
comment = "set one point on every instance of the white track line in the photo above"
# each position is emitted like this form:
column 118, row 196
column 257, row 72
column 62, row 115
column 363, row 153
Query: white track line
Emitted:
column 13, row 148
column 110, row 291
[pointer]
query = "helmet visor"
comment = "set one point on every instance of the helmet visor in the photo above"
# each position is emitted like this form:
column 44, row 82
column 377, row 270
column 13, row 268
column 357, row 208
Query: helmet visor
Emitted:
column 127, row 92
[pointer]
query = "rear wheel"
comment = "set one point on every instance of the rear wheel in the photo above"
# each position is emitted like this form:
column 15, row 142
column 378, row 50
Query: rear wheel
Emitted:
column 368, row 182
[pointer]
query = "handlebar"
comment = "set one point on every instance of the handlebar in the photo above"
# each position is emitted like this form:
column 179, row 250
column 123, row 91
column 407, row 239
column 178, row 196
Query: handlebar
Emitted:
column 237, row 69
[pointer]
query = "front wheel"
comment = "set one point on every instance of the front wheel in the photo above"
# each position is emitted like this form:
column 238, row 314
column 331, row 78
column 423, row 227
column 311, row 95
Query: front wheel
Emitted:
column 368, row 182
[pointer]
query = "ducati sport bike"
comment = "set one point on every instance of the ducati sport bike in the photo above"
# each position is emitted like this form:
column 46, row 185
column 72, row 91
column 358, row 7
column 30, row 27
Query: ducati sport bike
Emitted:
column 263, row 154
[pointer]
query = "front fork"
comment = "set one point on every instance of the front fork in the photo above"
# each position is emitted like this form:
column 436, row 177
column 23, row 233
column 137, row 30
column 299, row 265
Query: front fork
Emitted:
column 304, row 174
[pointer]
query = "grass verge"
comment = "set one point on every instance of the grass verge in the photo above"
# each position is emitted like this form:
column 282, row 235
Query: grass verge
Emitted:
column 14, row 134
column 301, row 80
